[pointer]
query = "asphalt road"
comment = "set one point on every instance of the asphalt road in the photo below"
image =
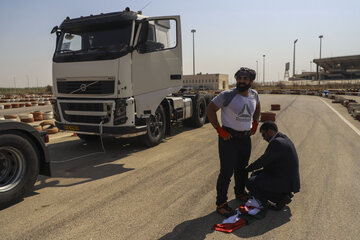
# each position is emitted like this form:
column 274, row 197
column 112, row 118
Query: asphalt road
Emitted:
column 168, row 191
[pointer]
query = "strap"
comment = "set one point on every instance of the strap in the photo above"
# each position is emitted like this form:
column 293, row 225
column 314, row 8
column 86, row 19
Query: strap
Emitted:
column 229, row 95
column 222, row 205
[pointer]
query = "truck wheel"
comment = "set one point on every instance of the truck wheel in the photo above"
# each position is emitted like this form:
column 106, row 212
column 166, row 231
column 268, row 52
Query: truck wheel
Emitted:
column 88, row 137
column 199, row 113
column 208, row 98
column 19, row 168
column 156, row 125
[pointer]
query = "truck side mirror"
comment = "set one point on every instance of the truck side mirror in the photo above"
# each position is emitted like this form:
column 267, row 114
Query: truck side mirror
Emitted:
column 151, row 46
column 141, row 46
column 54, row 29
column 57, row 32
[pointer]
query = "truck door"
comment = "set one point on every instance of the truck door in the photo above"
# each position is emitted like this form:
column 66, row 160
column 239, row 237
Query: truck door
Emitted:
column 156, row 62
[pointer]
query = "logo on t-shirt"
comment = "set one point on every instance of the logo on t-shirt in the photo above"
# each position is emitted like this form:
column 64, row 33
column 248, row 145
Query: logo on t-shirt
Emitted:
column 244, row 114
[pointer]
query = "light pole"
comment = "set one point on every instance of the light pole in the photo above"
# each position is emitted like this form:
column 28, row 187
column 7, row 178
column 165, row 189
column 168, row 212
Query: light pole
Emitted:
column 264, row 69
column 193, row 31
column 257, row 73
column 310, row 66
column 321, row 36
column 294, row 58
column 317, row 65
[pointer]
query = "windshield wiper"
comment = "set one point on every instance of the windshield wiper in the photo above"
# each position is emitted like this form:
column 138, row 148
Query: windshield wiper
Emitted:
column 66, row 51
column 63, row 51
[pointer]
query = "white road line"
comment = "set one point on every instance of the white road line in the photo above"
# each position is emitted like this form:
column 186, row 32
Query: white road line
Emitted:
column 72, row 159
column 342, row 118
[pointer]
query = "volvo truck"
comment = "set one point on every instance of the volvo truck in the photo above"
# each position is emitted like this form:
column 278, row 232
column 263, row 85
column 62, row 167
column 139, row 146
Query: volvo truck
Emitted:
column 120, row 74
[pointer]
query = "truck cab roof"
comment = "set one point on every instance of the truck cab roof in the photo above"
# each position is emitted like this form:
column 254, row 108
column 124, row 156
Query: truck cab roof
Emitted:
column 109, row 19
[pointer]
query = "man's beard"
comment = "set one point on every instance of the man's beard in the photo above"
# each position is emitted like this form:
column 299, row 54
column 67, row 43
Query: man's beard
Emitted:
column 241, row 87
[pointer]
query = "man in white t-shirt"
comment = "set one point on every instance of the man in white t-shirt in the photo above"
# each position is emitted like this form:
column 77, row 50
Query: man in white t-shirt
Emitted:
column 240, row 112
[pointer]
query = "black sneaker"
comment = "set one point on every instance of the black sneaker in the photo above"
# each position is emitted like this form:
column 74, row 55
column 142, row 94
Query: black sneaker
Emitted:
column 280, row 205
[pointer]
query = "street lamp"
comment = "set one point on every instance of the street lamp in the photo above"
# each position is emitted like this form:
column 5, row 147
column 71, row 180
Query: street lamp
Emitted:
column 294, row 58
column 257, row 73
column 193, row 31
column 321, row 36
column 264, row 69
column 317, row 65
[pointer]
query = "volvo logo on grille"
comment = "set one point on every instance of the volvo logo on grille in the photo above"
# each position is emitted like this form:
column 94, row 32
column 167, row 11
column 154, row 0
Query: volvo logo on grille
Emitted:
column 83, row 87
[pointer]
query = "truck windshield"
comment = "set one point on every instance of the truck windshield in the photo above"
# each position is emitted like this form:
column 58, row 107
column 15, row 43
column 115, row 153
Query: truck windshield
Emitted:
column 95, row 43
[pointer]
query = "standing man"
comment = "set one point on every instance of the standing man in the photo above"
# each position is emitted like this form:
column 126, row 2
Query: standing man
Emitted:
column 280, row 174
column 240, row 112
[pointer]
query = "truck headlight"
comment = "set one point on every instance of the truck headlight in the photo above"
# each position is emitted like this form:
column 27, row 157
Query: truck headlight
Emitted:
column 120, row 112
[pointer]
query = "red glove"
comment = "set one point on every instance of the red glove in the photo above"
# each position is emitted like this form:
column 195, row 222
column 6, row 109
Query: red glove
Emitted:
column 222, row 132
column 254, row 127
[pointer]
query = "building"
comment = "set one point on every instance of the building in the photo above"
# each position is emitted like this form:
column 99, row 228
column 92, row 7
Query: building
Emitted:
column 333, row 68
column 215, row 81
column 345, row 67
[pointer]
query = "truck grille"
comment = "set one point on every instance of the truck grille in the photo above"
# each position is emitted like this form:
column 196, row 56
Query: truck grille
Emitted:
column 86, row 87
column 86, row 107
column 98, row 107
column 83, row 119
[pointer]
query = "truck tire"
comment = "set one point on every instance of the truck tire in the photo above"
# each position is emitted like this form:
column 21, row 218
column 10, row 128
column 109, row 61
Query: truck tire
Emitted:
column 19, row 168
column 88, row 137
column 208, row 98
column 199, row 112
column 156, row 125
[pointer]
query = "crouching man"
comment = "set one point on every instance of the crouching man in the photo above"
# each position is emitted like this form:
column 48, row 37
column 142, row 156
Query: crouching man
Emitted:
column 279, row 177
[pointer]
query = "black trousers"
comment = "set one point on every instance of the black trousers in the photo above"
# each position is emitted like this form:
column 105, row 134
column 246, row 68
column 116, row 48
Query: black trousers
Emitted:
column 257, row 190
column 234, row 157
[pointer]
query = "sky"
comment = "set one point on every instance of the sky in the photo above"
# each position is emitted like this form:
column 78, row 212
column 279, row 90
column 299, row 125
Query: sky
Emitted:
column 229, row 34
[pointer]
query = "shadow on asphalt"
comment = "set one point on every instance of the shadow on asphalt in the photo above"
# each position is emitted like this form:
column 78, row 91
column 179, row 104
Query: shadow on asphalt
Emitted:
column 194, row 229
column 273, row 219
column 77, row 159
column 86, row 160
column 198, row 228
column 82, row 160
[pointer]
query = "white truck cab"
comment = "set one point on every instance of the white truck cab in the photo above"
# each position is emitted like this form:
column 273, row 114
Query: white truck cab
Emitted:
column 114, row 74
